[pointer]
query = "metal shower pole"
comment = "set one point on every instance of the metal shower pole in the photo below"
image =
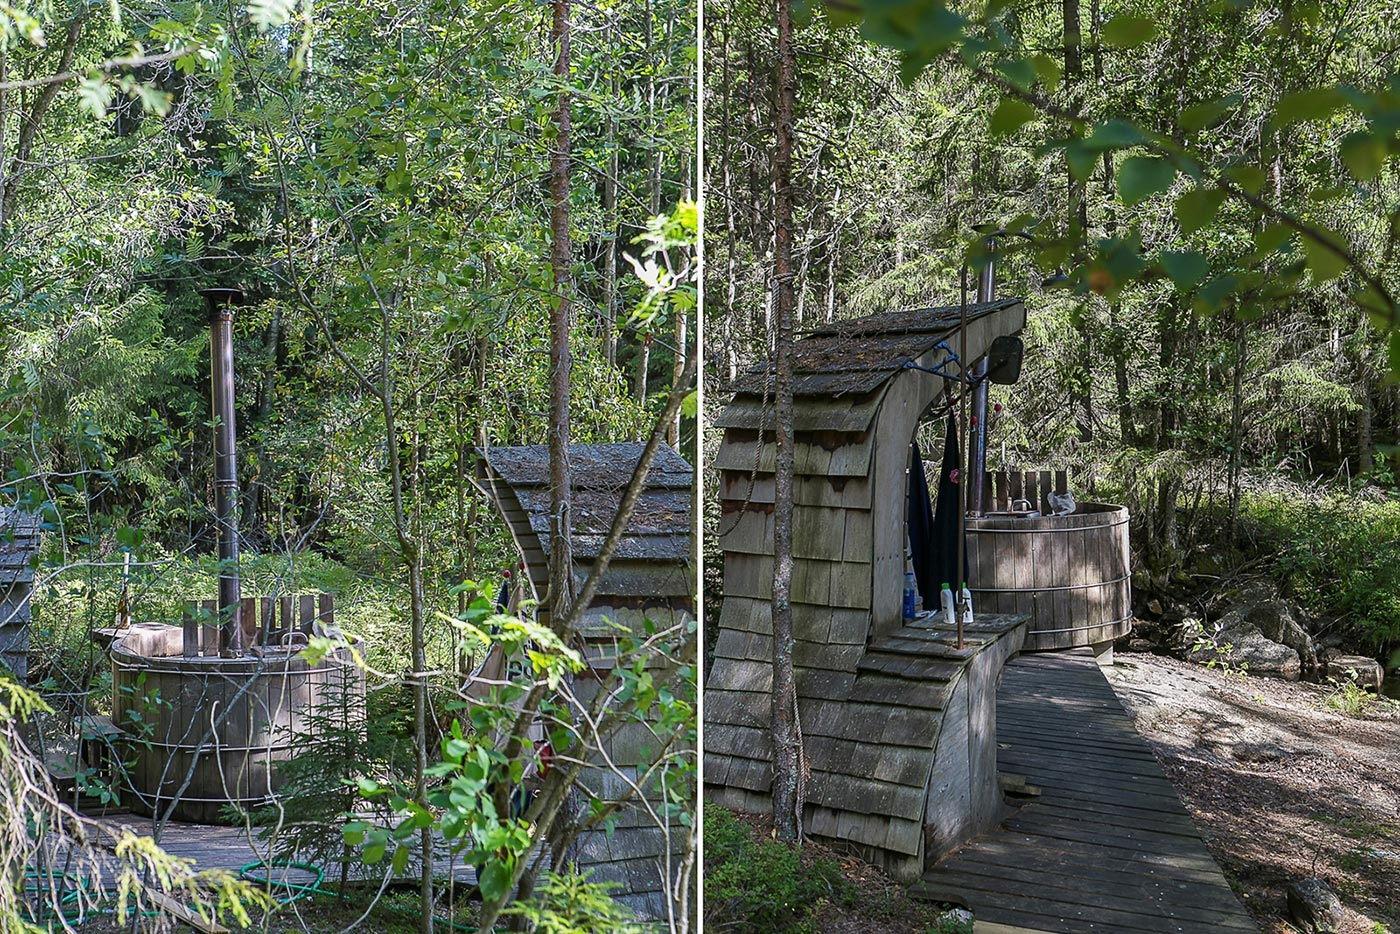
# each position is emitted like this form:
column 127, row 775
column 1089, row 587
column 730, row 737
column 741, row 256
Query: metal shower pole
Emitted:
column 220, row 302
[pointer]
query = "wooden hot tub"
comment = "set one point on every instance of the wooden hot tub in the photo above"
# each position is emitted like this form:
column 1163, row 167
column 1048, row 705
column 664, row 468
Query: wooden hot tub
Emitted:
column 1070, row 573
column 212, row 730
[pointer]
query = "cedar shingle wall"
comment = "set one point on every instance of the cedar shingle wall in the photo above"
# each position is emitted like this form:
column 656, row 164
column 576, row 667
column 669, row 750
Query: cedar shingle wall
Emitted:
column 871, row 712
column 651, row 578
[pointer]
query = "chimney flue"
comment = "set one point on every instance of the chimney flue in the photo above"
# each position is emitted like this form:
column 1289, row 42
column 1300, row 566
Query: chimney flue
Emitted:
column 221, row 302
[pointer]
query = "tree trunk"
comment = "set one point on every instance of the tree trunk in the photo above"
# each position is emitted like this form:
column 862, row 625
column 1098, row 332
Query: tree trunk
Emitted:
column 643, row 361
column 1365, row 420
column 1078, row 223
column 787, row 741
column 610, row 240
column 4, row 112
column 561, row 578
column 412, row 555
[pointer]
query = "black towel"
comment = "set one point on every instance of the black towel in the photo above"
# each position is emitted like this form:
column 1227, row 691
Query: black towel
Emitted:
column 944, row 560
column 919, row 516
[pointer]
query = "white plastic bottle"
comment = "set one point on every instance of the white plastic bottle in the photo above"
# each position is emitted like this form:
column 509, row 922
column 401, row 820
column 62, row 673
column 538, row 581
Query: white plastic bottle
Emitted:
column 966, row 605
column 949, row 611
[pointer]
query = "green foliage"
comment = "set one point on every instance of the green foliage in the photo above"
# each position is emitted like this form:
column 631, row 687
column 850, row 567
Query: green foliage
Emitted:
column 569, row 903
column 1221, row 652
column 1339, row 555
column 1349, row 698
column 761, row 884
column 995, row 43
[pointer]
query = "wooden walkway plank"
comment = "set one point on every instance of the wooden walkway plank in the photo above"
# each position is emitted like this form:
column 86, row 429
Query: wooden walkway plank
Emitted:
column 1107, row 845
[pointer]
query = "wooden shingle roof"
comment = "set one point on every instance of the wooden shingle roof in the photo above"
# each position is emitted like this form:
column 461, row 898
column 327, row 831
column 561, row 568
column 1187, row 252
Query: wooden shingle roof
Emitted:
column 650, row 581
column 875, row 696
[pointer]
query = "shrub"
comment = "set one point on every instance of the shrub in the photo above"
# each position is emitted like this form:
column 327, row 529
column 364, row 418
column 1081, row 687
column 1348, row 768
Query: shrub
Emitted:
column 1339, row 556
column 761, row 885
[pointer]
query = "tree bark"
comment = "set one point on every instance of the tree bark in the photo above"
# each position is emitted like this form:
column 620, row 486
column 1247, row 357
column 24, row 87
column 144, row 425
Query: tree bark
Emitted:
column 1365, row 422
column 1236, row 461
column 1078, row 223
column 561, row 578
column 610, row 240
column 787, row 741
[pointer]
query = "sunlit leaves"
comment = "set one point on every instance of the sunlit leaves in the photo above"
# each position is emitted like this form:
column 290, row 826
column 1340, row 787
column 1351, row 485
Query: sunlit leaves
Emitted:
column 267, row 14
column 95, row 96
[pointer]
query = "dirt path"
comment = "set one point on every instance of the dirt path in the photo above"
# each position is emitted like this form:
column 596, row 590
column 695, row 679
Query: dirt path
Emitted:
column 1281, row 786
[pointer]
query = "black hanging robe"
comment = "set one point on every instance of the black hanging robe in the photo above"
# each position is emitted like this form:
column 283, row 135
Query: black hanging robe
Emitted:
column 933, row 530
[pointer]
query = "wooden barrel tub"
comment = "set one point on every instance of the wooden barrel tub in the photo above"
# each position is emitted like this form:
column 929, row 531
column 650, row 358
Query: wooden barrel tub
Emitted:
column 212, row 730
column 1070, row 573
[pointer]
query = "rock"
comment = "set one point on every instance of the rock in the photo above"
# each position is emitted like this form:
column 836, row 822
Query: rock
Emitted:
column 1313, row 906
column 1365, row 671
column 1268, row 750
column 1234, row 641
column 1277, row 621
column 954, row 919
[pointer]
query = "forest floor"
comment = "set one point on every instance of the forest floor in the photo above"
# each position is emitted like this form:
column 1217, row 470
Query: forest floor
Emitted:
column 1281, row 784
column 393, row 913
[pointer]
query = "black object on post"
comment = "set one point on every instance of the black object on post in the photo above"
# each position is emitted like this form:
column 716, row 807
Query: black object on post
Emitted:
column 221, row 302
column 1004, row 360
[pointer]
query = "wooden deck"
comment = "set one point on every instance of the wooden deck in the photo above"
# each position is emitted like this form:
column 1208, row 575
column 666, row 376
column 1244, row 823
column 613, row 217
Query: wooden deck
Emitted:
column 1107, row 844
column 220, row 847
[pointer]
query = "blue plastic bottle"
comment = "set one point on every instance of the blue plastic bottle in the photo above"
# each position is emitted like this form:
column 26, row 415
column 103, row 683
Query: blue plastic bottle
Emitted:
column 911, row 595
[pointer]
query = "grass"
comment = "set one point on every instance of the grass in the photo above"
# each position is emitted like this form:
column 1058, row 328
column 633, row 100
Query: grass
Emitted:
column 1351, row 700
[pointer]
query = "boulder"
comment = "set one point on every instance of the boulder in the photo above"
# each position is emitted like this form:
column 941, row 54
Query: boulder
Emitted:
column 1235, row 641
column 1278, row 622
column 1313, row 906
column 1364, row 670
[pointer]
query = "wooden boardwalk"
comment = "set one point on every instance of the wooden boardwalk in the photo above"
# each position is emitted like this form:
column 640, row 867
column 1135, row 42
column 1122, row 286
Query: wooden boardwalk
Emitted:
column 1107, row 844
column 220, row 847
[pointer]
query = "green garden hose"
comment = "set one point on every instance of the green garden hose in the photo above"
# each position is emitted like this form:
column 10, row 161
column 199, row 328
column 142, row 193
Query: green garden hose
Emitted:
column 259, row 872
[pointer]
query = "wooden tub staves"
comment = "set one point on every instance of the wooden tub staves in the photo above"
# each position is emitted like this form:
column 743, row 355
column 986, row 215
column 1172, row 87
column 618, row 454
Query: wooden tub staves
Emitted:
column 1070, row 573
column 203, row 732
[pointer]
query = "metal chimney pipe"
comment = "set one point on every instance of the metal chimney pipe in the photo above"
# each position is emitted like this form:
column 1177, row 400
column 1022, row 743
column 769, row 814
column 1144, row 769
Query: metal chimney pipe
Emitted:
column 986, row 291
column 221, row 302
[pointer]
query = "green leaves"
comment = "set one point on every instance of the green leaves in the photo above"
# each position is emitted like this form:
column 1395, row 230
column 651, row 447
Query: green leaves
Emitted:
column 95, row 96
column 1141, row 177
column 1206, row 114
column 1364, row 154
column 1324, row 253
column 1187, row 268
column 1196, row 209
column 1126, row 31
column 1009, row 116
column 494, row 879
column 1312, row 104
column 267, row 14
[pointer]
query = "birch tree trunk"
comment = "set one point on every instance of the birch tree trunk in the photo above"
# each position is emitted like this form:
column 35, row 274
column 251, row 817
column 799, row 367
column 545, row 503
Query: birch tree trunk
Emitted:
column 787, row 742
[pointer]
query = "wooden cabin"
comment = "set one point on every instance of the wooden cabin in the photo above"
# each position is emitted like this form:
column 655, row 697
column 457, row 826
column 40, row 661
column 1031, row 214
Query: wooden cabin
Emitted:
column 898, row 722
column 19, row 541
column 652, row 578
